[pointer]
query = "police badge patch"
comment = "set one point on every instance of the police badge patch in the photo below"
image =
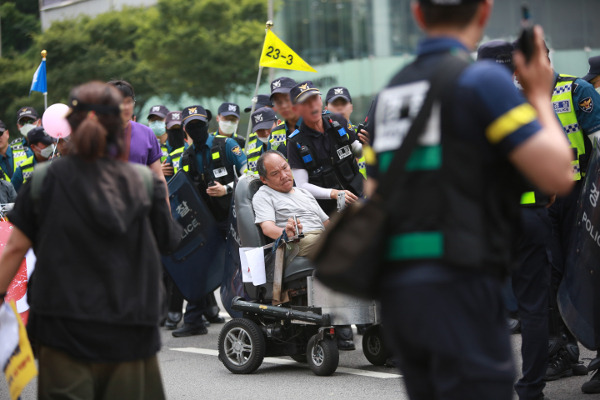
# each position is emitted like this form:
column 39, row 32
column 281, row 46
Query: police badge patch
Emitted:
column 236, row 150
column 586, row 105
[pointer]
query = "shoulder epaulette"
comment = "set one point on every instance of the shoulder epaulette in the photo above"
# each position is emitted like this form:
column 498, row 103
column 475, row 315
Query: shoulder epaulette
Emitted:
column 297, row 131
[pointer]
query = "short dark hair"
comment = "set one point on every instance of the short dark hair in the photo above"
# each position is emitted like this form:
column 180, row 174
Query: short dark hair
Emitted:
column 260, row 164
column 124, row 87
column 457, row 16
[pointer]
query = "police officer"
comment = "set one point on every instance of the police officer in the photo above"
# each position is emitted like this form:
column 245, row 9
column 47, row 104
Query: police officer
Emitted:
column 282, row 105
column 339, row 101
column 452, row 229
column 593, row 75
column 27, row 119
column 228, row 119
column 531, row 276
column 575, row 104
column 212, row 162
column 263, row 122
column 322, row 151
column 260, row 101
column 156, row 122
column 176, row 142
column 7, row 155
column 42, row 147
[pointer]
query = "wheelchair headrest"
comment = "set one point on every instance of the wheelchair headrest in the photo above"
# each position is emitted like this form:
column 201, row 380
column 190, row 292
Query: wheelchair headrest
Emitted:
column 250, row 234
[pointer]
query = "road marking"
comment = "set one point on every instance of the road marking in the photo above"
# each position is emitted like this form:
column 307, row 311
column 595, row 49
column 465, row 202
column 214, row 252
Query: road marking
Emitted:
column 282, row 361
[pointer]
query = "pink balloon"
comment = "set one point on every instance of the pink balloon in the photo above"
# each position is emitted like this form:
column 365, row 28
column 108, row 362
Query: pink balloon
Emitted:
column 55, row 122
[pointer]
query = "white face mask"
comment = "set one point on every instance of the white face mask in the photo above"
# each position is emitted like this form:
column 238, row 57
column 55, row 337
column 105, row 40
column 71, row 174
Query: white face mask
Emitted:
column 264, row 140
column 48, row 151
column 26, row 128
column 228, row 127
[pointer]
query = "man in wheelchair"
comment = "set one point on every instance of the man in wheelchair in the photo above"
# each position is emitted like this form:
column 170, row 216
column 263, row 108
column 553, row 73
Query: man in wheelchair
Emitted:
column 279, row 206
column 278, row 201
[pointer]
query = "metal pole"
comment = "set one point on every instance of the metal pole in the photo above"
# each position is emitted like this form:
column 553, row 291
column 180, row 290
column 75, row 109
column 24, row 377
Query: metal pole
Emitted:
column 271, row 17
column 44, row 54
column 260, row 69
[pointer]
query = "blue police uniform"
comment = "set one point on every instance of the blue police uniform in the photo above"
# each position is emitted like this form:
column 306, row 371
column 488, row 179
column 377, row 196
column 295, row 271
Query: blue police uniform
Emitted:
column 7, row 162
column 205, row 160
column 441, row 301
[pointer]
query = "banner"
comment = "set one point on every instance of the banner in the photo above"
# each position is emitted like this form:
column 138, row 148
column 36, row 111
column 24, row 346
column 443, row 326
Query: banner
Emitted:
column 277, row 54
column 578, row 295
column 16, row 356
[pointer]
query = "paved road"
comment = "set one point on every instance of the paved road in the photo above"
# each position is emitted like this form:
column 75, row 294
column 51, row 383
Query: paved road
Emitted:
column 191, row 370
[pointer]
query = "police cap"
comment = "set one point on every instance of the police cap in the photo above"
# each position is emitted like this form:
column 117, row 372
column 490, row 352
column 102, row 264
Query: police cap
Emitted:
column 2, row 127
column 263, row 118
column 594, row 68
column 302, row 91
column 227, row 109
column 39, row 135
column 27, row 112
column 282, row 85
column 499, row 51
column 159, row 111
column 262, row 100
column 338, row 93
column 173, row 118
column 192, row 113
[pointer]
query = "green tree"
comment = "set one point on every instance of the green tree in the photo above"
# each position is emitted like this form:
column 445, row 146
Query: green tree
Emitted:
column 203, row 48
column 19, row 23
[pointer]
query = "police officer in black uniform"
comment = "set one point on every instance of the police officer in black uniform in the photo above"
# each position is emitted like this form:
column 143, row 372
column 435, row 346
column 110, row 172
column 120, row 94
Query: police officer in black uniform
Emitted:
column 322, row 152
column 452, row 231
column 212, row 162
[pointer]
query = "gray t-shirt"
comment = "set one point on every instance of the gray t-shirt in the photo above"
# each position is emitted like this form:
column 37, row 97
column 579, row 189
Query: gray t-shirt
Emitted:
column 271, row 205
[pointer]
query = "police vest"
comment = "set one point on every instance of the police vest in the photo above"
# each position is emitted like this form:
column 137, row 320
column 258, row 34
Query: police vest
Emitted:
column 19, row 153
column 164, row 150
column 176, row 158
column 240, row 140
column 362, row 163
column 222, row 171
column 339, row 170
column 255, row 147
column 562, row 100
column 453, row 211
column 27, row 168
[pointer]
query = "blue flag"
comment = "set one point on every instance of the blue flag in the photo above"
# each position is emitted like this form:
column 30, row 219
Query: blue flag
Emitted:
column 39, row 83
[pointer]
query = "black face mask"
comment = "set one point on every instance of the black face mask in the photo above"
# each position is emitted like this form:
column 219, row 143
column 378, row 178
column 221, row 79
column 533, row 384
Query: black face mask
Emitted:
column 175, row 137
column 198, row 131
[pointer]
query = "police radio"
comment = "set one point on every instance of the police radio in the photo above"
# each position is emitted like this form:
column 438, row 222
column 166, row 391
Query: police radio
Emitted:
column 307, row 157
column 526, row 41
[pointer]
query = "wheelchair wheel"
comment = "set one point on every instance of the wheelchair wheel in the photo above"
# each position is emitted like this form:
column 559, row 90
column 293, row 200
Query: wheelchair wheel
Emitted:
column 322, row 356
column 242, row 346
column 301, row 358
column 373, row 346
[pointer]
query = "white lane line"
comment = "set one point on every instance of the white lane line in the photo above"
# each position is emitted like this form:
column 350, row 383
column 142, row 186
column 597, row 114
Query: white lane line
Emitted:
column 282, row 361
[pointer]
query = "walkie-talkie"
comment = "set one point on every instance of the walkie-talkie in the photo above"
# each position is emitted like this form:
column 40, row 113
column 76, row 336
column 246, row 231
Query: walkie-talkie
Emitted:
column 526, row 41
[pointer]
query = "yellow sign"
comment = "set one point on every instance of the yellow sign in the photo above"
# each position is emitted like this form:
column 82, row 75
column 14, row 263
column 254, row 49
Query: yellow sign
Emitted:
column 20, row 369
column 277, row 54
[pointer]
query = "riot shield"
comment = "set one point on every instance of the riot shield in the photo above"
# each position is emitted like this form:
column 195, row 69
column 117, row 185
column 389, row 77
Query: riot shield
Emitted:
column 197, row 265
column 579, row 291
column 232, row 285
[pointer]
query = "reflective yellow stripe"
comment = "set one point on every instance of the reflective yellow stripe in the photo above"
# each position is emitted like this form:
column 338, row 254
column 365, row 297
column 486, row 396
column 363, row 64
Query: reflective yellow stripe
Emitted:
column 528, row 198
column 510, row 122
column 216, row 155
column 370, row 156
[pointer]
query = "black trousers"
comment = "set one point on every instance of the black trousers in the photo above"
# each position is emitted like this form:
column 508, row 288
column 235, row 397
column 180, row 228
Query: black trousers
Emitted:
column 531, row 284
column 450, row 338
column 563, row 215
column 194, row 311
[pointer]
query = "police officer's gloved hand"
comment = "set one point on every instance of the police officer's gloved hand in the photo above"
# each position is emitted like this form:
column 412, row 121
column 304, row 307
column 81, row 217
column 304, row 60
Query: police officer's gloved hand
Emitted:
column 198, row 131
